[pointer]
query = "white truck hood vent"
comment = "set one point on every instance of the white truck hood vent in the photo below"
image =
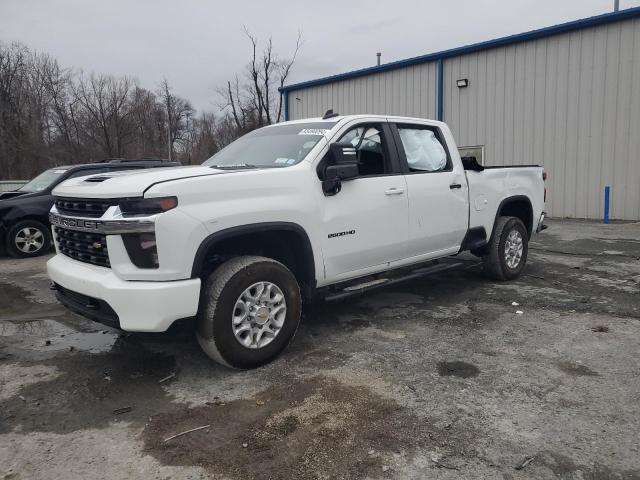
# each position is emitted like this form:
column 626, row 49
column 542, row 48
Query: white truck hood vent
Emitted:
column 98, row 179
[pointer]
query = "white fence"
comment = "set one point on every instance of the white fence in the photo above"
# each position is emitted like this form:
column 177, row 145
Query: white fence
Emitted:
column 9, row 185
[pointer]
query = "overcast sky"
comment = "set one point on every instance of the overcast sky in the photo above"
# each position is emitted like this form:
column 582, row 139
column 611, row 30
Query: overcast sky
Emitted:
column 198, row 44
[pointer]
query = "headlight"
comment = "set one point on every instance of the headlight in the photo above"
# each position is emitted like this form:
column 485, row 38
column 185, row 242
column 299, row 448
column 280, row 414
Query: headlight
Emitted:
column 142, row 249
column 147, row 206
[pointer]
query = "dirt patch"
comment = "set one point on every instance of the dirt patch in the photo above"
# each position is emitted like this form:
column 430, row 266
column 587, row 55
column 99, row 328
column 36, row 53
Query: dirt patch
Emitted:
column 576, row 369
column 457, row 369
column 565, row 467
column 314, row 428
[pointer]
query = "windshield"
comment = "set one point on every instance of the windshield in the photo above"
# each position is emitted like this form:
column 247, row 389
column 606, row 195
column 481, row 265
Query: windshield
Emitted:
column 277, row 146
column 42, row 181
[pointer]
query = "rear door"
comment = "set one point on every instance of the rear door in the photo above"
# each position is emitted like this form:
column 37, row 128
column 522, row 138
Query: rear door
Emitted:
column 437, row 191
column 365, row 223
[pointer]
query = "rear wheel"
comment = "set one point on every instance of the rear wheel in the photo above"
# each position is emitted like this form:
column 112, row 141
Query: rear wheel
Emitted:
column 249, row 312
column 28, row 238
column 508, row 249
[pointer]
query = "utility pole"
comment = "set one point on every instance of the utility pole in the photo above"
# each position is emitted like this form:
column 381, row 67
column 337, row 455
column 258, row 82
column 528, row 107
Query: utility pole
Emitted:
column 616, row 5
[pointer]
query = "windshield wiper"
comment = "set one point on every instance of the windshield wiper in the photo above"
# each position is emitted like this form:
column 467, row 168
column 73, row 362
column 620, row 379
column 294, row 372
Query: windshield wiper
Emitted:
column 234, row 167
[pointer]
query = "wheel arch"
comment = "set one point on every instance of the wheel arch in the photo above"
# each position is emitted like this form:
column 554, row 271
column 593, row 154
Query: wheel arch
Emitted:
column 286, row 242
column 518, row 206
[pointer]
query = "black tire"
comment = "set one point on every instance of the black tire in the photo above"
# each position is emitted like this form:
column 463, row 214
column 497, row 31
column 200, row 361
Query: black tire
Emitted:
column 218, row 303
column 20, row 249
column 494, row 263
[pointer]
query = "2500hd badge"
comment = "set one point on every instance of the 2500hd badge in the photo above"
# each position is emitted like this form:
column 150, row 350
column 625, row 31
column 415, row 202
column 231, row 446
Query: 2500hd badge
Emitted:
column 341, row 234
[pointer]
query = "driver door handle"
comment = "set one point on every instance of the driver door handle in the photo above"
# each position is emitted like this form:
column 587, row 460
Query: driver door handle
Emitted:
column 394, row 191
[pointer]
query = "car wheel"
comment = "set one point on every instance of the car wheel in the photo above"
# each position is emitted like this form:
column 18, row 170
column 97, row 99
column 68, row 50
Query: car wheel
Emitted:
column 249, row 312
column 28, row 238
column 508, row 249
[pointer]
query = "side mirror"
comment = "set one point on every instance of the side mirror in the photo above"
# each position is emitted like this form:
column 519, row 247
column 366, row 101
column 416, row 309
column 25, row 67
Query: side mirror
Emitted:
column 471, row 163
column 343, row 153
column 344, row 166
column 345, row 171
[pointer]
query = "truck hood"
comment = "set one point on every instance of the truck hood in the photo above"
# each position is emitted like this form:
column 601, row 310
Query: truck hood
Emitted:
column 127, row 183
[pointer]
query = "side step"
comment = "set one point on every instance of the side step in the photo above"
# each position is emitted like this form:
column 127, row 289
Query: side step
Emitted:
column 370, row 285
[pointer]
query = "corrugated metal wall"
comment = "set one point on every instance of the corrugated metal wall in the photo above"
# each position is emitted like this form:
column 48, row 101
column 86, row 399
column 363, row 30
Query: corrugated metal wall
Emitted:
column 407, row 91
column 570, row 102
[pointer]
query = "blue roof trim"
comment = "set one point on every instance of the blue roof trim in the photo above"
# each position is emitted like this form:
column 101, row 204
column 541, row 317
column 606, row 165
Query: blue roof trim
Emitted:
column 498, row 42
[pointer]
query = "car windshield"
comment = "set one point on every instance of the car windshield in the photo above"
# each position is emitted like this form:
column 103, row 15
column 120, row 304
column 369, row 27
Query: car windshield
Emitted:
column 271, row 147
column 42, row 181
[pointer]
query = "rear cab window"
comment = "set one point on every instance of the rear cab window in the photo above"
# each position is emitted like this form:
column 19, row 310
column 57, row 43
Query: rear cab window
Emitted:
column 423, row 149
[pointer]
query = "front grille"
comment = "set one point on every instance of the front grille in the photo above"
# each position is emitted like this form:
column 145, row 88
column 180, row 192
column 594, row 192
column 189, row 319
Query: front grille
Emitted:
column 83, row 246
column 83, row 207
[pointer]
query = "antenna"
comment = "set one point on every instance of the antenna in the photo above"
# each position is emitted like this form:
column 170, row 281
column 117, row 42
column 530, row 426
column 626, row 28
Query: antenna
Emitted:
column 329, row 114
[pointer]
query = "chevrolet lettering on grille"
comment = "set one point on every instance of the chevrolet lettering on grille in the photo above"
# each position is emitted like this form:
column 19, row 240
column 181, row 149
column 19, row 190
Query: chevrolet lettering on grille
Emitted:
column 106, row 227
column 74, row 223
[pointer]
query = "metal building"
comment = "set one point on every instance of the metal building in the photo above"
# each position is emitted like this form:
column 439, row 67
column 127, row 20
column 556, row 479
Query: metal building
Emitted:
column 566, row 97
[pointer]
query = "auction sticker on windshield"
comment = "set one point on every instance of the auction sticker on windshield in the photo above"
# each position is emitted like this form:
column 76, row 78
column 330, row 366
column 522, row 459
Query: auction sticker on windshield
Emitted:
column 313, row 131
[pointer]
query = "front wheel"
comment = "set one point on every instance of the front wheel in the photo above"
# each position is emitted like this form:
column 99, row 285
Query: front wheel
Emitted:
column 508, row 249
column 28, row 238
column 249, row 312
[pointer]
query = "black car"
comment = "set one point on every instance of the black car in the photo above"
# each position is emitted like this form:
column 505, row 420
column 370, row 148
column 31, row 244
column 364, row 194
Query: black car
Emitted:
column 24, row 223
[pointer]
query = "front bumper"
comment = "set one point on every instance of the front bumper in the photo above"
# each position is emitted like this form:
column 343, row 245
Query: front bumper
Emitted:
column 139, row 306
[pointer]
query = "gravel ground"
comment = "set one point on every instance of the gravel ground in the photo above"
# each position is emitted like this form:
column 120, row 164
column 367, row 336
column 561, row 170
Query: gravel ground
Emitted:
column 442, row 377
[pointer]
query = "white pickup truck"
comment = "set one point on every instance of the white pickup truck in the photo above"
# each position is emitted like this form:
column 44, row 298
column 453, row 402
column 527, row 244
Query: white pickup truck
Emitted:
column 322, row 207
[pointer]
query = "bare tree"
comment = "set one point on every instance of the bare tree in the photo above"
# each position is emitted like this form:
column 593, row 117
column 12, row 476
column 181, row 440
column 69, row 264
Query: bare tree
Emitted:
column 256, row 102
column 178, row 110
column 51, row 115
column 106, row 111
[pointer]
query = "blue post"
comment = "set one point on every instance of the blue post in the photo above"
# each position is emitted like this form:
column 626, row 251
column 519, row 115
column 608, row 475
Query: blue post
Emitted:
column 286, row 105
column 440, row 90
column 607, row 189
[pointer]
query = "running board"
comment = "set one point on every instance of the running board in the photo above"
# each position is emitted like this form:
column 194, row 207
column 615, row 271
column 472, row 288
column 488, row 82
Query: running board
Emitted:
column 384, row 282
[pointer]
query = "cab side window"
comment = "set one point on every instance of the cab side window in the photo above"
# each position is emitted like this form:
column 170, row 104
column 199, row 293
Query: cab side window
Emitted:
column 423, row 149
column 371, row 148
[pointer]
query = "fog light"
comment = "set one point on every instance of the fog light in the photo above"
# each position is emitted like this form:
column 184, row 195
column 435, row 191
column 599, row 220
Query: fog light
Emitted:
column 142, row 249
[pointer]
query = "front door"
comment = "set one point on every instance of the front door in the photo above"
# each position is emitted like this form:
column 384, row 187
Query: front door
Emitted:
column 366, row 223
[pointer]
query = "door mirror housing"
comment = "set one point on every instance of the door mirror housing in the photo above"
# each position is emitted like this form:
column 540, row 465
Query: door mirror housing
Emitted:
column 343, row 153
column 345, row 171
column 344, row 166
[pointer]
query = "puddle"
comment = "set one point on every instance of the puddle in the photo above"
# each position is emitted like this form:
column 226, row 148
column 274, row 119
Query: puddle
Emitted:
column 457, row 369
column 15, row 300
column 88, row 388
column 48, row 335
